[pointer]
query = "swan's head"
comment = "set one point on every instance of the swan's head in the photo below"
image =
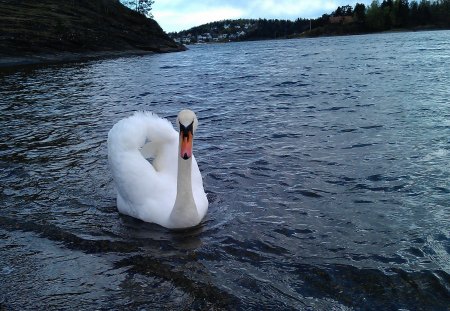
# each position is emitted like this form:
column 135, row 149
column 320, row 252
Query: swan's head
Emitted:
column 187, row 124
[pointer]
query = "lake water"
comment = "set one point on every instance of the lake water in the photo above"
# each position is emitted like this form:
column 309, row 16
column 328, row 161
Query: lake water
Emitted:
column 325, row 161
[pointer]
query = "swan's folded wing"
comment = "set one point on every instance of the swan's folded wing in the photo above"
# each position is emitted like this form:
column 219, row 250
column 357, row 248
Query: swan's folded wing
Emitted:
column 133, row 174
column 140, row 129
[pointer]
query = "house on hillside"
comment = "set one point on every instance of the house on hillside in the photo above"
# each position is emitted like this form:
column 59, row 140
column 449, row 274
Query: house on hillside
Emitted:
column 206, row 37
column 341, row 19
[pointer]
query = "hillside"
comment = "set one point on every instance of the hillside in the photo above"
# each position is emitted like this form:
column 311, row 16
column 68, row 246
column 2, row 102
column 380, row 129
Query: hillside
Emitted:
column 31, row 28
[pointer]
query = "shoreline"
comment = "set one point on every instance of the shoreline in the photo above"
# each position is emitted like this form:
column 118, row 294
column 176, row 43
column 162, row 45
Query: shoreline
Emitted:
column 8, row 61
column 52, row 31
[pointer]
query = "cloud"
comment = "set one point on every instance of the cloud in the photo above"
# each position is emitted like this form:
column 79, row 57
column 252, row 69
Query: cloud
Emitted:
column 176, row 15
column 289, row 9
column 178, row 20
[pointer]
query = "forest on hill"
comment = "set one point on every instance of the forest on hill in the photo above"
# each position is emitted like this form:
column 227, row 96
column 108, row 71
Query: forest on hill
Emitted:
column 30, row 27
column 376, row 17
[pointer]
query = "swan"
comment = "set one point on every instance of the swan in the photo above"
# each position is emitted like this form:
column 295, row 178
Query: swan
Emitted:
column 155, row 171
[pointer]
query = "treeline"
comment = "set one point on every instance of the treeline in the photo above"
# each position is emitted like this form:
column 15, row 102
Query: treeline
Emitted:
column 276, row 28
column 391, row 14
column 378, row 16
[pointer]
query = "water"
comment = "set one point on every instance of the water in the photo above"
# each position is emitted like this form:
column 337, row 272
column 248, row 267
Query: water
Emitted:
column 325, row 162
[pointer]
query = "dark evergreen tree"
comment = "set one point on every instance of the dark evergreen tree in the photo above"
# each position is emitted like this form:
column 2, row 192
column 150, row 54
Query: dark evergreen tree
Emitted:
column 424, row 12
column 400, row 13
column 360, row 12
column 374, row 17
column 414, row 13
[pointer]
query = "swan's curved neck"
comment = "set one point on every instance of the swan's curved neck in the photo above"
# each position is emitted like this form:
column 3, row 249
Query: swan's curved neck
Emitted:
column 184, row 213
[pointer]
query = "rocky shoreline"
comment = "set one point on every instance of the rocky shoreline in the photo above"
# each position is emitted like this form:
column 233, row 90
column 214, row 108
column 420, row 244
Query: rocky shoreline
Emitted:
column 52, row 31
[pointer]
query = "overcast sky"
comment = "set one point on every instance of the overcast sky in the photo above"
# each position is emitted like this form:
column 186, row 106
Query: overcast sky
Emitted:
column 176, row 15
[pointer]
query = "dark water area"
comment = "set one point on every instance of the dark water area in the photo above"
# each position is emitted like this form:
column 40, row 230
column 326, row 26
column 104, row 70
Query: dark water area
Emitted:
column 325, row 161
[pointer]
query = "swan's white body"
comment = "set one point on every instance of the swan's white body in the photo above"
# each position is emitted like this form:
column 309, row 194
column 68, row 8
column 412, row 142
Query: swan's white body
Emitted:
column 169, row 190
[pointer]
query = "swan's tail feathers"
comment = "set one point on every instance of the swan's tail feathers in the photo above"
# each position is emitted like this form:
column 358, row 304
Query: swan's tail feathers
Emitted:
column 142, row 129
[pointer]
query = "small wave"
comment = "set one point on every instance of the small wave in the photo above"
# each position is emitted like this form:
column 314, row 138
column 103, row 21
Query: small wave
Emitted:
column 285, row 135
column 169, row 66
column 195, row 283
column 145, row 94
column 71, row 240
column 292, row 83
column 440, row 153
column 416, row 252
column 348, row 130
column 442, row 190
column 245, row 77
column 362, row 201
column 358, row 146
column 288, row 232
column 364, row 105
column 380, row 177
column 371, row 127
column 278, row 95
column 335, row 108
column 381, row 188
column 310, row 194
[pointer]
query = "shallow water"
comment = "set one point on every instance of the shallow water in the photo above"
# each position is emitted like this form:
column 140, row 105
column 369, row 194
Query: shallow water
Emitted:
column 325, row 162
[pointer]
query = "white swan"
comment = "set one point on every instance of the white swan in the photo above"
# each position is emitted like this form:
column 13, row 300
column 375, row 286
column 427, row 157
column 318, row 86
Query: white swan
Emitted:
column 169, row 190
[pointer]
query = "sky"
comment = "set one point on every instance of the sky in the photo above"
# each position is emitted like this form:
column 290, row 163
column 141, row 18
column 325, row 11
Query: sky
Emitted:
column 177, row 15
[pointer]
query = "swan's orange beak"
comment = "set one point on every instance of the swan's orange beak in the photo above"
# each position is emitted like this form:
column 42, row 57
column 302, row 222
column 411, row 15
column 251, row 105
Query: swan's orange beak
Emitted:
column 186, row 144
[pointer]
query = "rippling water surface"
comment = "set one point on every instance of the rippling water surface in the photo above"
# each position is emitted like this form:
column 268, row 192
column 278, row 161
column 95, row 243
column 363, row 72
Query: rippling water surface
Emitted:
column 326, row 163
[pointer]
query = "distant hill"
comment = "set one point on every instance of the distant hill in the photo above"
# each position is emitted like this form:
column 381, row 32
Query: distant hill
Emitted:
column 379, row 16
column 241, row 29
column 30, row 27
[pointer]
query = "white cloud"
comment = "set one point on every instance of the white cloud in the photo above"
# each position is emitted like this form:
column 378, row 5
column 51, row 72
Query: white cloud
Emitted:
column 176, row 15
column 175, row 20
column 289, row 9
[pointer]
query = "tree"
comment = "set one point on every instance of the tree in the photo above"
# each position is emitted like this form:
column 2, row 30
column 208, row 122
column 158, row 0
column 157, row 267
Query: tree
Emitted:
column 424, row 12
column 387, row 4
column 345, row 10
column 401, row 13
column 141, row 6
column 360, row 12
column 442, row 13
column 414, row 13
column 374, row 17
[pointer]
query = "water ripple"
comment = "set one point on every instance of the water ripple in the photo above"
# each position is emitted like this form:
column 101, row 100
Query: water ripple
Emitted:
column 325, row 162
